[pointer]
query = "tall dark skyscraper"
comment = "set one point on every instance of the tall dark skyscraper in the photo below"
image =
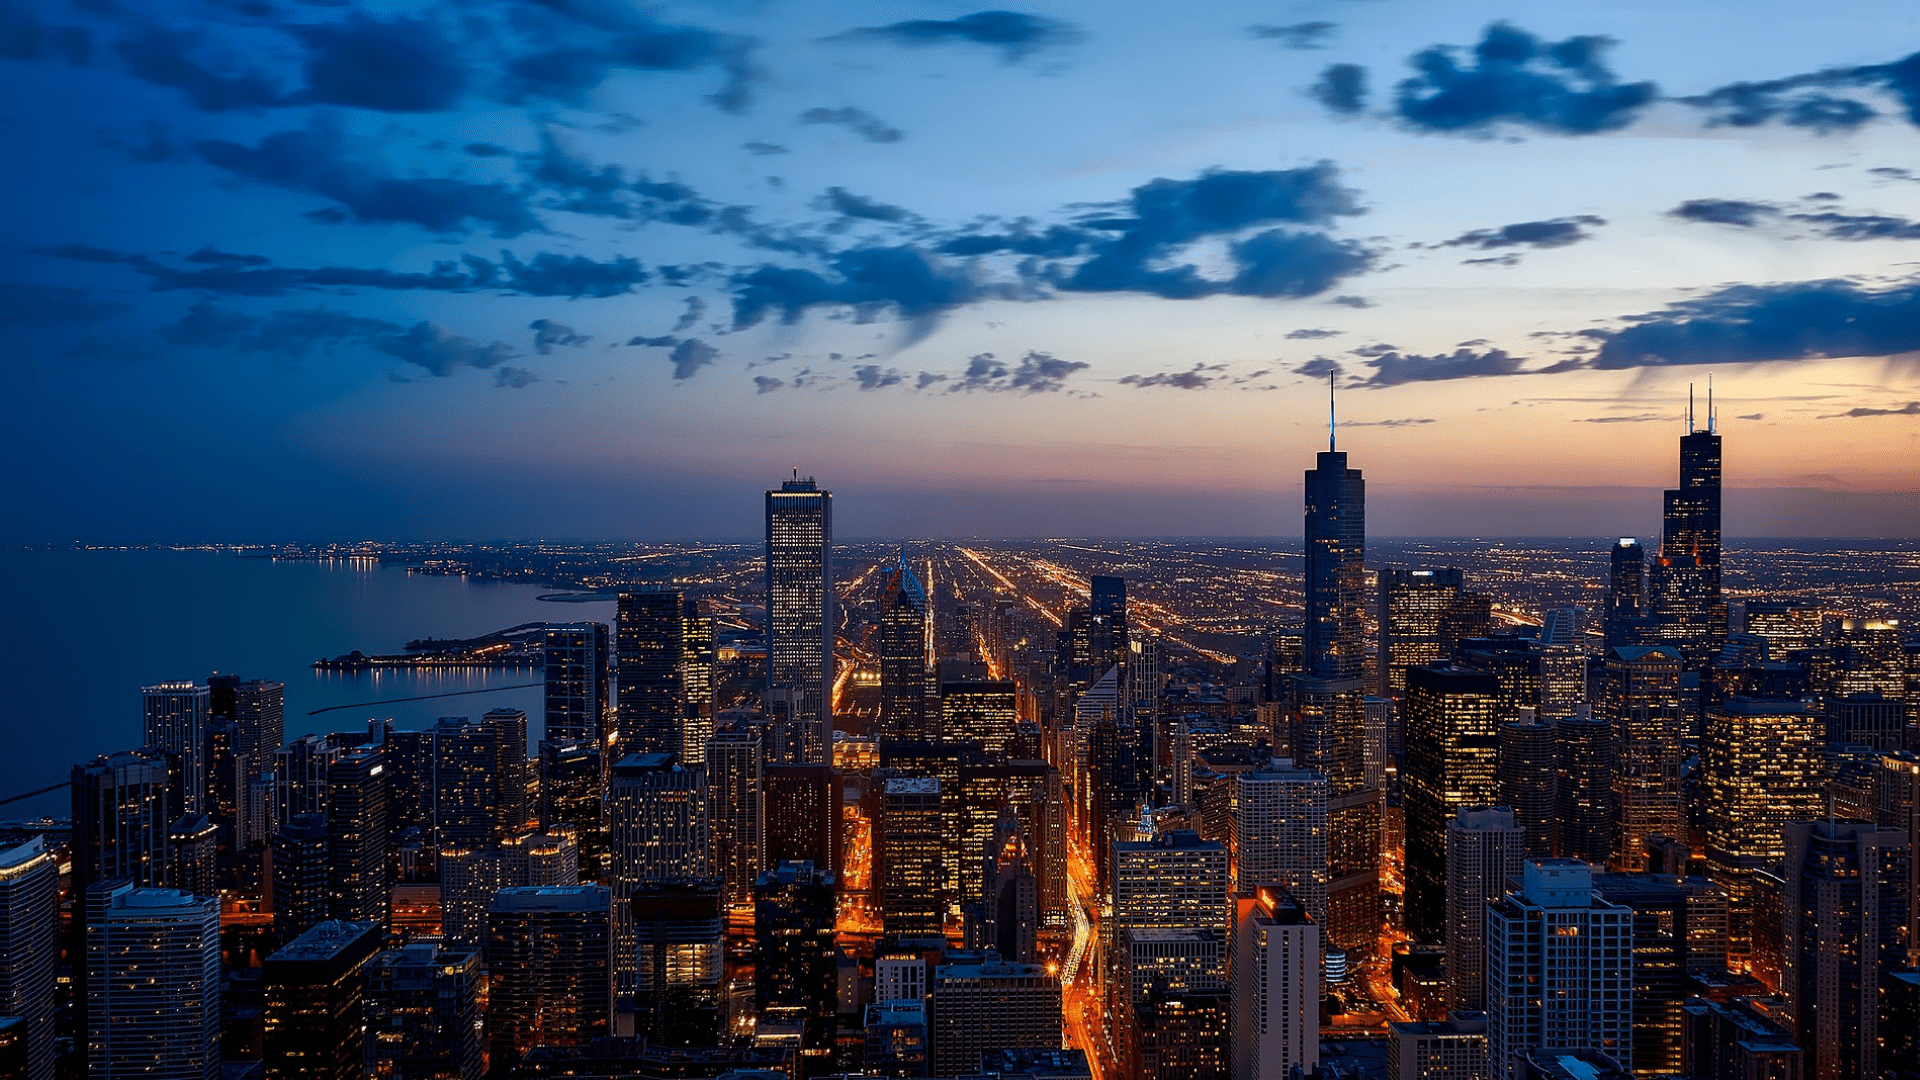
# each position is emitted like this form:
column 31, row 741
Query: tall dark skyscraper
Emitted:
column 314, row 1029
column 800, row 622
column 577, row 692
column 1589, row 818
column 1107, row 623
column 1453, row 737
column 175, row 715
column 1843, row 930
column 123, row 807
column 906, row 624
column 650, row 635
column 1683, row 584
column 793, row 951
column 1335, row 573
column 1626, row 592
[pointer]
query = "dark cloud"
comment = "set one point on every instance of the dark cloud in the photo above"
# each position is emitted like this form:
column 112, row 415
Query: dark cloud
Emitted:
column 1352, row 301
column 667, row 342
column 1798, row 101
column 1752, row 416
column 763, row 149
column 1341, row 88
column 767, row 384
column 22, row 304
column 1642, row 418
column 1739, row 212
column 1409, row 421
column 873, row 376
column 393, row 65
column 441, row 351
column 513, row 378
column 1320, row 367
column 926, row 379
column 294, row 333
column 1891, row 173
column 1196, row 379
column 859, row 121
column 1055, row 242
column 690, row 356
column 870, row 280
column 177, row 59
column 547, row 274
column 1835, row 226
column 1394, row 369
column 1911, row 408
column 847, row 204
column 1560, row 87
column 486, row 149
column 24, row 36
column 1752, row 323
column 1552, row 233
column 569, row 47
column 567, row 275
column 215, row 257
column 319, row 159
column 1016, row 34
column 1312, row 334
column 696, row 307
column 547, row 334
column 1306, row 35
column 1036, row 373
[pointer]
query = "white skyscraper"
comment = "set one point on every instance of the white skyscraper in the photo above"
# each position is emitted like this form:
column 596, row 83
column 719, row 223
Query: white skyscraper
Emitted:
column 1484, row 849
column 153, row 984
column 1276, row 988
column 1280, row 833
column 30, row 948
column 1559, row 968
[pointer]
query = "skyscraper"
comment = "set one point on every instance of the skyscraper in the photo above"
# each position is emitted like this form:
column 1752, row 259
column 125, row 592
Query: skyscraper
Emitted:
column 123, row 809
column 423, row 1013
column 1897, row 788
column 176, row 722
column 301, row 884
column 735, row 810
column 1679, row 930
column 358, row 834
column 650, row 634
column 1559, row 968
column 1683, row 584
column 802, row 815
column 983, row 711
column 30, row 949
column 1424, row 614
column 909, row 855
column 1484, row 851
column 679, row 937
column 1529, row 780
column 793, row 951
column 1626, row 592
column 658, row 831
column 1760, row 769
column 1335, row 571
column 1588, row 819
column 152, row 988
column 1276, row 987
column 990, row 1006
column 702, row 651
column 1010, row 891
column 800, row 622
column 1107, row 623
column 1642, row 703
column 1843, row 931
column 906, row 628
column 570, row 778
column 549, row 953
column 1280, row 834
column 1452, row 743
column 575, row 672
column 314, row 1023
column 474, row 803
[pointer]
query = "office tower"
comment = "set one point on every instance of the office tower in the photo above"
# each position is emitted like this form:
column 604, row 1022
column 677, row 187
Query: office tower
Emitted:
column 1484, row 850
column 176, row 722
column 800, row 621
column 1174, row 880
column 736, row 814
column 1009, row 892
column 511, row 770
column 896, row 1038
column 30, row 951
column 1450, row 1049
column 570, row 777
column 1843, row 931
column 906, row 630
column 1380, row 759
column 1559, row 967
column 1760, row 769
column 123, row 808
column 658, row 811
column 1641, row 701
column 358, row 836
column 575, row 661
column 300, row 777
column 410, row 758
column 1280, row 834
column 1587, row 819
column 1335, row 575
column 1528, row 780
column 1420, row 622
column 793, row 951
column 1107, row 622
column 680, row 948
column 982, row 711
column 469, row 878
column 152, row 986
column 1569, row 1063
column 702, row 651
column 993, row 1005
column 192, row 844
column 473, row 806
column 909, row 854
column 1276, row 987
column 549, row 954
column 257, row 710
column 301, row 893
column 1563, row 680
column 1626, row 593
column 1868, row 658
column 423, row 1013
column 1897, row 790
column 1871, row 720
column 802, row 815
column 1733, row 1041
column 1679, row 930
column 314, row 1019
column 1452, row 744
column 1182, row 1034
column 1787, row 626
column 1562, row 626
column 1900, row 1026
column 1683, row 584
column 650, row 634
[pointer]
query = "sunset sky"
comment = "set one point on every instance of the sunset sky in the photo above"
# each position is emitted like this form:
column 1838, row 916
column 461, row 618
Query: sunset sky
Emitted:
column 569, row 268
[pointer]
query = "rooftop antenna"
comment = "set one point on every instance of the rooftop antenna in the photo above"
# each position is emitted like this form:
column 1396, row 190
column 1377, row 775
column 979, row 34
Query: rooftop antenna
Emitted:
column 1329, row 410
column 796, row 474
column 1689, row 408
column 1709, row 402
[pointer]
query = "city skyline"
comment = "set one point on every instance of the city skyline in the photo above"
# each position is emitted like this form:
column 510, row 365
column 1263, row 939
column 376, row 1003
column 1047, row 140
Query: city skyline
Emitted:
column 1040, row 272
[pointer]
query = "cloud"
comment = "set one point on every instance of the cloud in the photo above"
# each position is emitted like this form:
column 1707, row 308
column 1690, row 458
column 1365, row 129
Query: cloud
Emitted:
column 1306, row 35
column 291, row 333
column 869, row 280
column 513, row 378
column 767, row 384
column 1341, row 88
column 1395, row 369
column 173, row 58
column 690, row 356
column 763, row 149
column 1036, row 373
column 859, row 121
column 1911, row 408
column 441, row 351
column 1753, row 323
column 1352, row 301
column 1196, row 379
column 1563, row 88
column 569, row 47
column 319, row 159
column 1319, row 368
column 397, row 65
column 1752, row 416
column 847, row 204
column 1739, row 212
column 696, row 307
column 873, row 376
column 1055, row 242
column 926, row 379
column 1642, row 418
column 1311, row 334
column 1015, row 34
column 23, row 36
column 1410, row 421
column 1835, row 226
column 1552, row 233
column 22, row 304
column 547, row 334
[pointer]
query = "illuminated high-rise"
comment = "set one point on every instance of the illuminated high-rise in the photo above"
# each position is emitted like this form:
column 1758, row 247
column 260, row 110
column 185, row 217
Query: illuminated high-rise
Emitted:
column 1626, row 592
column 423, row 1013
column 800, row 622
column 123, row 809
column 793, row 951
column 1276, row 987
column 1107, row 623
column 906, row 631
column 578, row 692
column 1559, row 968
column 1423, row 616
column 570, row 778
column 909, row 856
column 657, row 831
column 176, row 721
column 1843, row 932
column 1452, row 743
column 1641, row 701
column 1529, row 779
column 736, row 814
column 679, row 938
column 983, row 711
column 702, row 651
column 650, row 636
column 1897, row 788
column 30, row 949
column 1484, row 850
column 548, row 957
column 1588, row 817
column 1683, row 584
column 1760, row 768
column 1280, row 834
column 152, row 983
column 314, row 989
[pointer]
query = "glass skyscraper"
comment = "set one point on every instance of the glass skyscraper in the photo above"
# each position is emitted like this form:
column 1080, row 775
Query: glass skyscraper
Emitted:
column 800, row 621
column 1683, row 584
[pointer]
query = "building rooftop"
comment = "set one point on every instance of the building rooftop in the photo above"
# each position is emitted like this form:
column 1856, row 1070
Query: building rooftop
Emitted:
column 553, row 898
column 323, row 942
column 913, row 785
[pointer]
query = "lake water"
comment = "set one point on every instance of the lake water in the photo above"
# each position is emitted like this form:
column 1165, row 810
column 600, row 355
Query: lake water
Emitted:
column 84, row 630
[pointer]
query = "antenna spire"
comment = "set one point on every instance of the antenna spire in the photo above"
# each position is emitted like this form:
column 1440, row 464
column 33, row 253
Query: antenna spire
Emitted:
column 1689, row 408
column 1330, row 423
column 1710, row 416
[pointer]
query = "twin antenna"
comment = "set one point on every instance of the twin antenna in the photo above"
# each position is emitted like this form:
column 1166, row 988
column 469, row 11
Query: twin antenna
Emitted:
column 1329, row 411
column 1710, row 413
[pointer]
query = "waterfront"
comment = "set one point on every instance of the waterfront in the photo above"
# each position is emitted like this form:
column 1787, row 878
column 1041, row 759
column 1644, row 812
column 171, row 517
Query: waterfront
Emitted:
column 87, row 629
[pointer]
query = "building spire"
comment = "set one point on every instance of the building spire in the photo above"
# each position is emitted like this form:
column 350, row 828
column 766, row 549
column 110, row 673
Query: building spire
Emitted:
column 1330, row 424
column 1710, row 418
column 1689, row 408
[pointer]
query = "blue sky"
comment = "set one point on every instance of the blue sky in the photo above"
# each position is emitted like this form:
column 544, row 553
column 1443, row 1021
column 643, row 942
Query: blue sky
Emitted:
column 586, row 267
